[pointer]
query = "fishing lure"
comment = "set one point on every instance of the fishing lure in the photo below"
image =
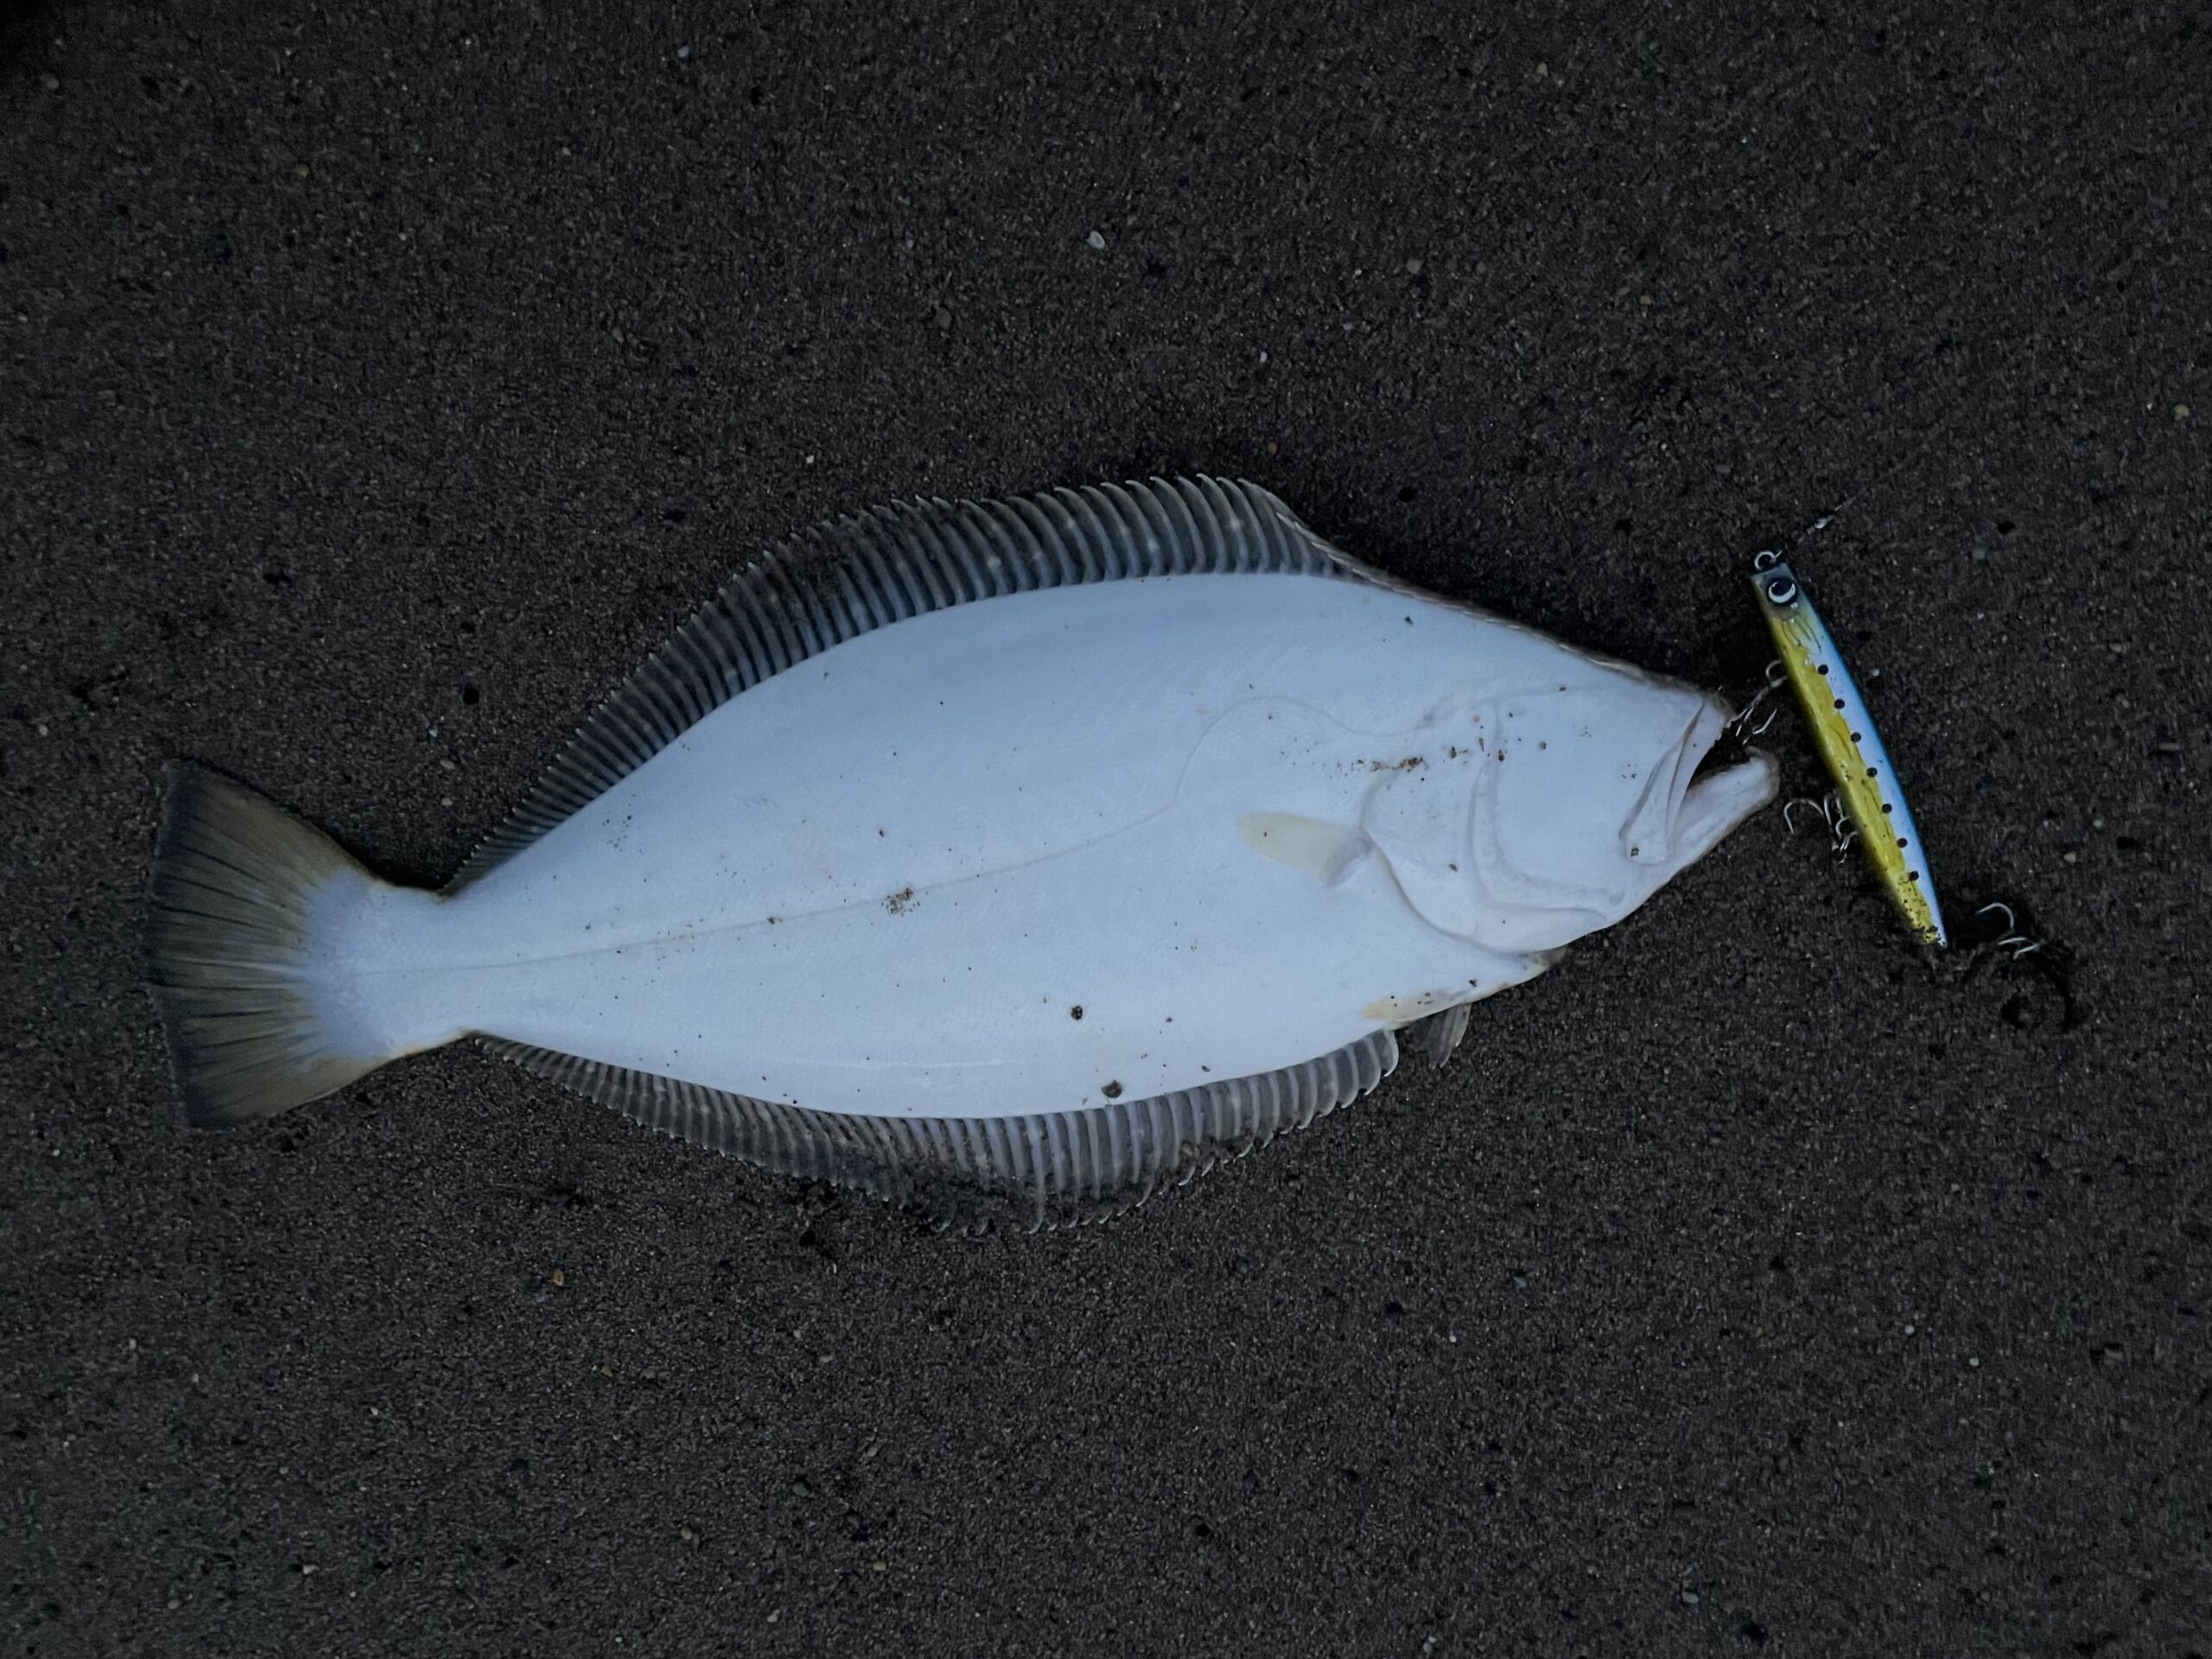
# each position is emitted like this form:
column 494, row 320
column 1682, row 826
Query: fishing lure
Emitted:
column 1005, row 859
column 1843, row 730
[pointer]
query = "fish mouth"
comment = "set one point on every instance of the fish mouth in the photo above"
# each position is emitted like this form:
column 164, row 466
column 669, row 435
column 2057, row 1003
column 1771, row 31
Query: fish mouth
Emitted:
column 1695, row 795
column 1714, row 794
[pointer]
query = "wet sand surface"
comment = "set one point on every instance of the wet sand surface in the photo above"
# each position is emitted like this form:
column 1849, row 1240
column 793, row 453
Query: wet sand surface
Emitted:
column 377, row 387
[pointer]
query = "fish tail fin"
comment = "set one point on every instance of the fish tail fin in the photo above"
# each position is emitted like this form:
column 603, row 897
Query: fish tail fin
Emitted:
column 245, row 944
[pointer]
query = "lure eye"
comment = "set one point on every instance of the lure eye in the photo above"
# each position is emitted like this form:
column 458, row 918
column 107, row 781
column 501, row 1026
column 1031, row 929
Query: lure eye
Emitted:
column 1765, row 561
column 1782, row 590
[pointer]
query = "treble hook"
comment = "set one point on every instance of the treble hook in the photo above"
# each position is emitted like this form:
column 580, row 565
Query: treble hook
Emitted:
column 1808, row 804
column 1828, row 809
column 2021, row 944
column 1741, row 723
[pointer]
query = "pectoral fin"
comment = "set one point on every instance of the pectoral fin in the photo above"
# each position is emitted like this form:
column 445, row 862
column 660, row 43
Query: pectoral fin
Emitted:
column 1325, row 851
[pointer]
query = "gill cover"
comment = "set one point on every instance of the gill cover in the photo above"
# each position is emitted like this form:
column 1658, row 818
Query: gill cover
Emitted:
column 1576, row 816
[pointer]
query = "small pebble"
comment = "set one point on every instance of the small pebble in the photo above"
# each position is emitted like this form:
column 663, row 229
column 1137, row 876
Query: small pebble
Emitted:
column 1097, row 240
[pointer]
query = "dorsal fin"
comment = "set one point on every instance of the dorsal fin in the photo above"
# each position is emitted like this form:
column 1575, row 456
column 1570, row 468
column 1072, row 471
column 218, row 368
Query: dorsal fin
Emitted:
column 857, row 573
column 1043, row 1169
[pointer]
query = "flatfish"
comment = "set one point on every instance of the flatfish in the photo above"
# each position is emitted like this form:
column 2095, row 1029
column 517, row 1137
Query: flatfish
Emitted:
column 1010, row 859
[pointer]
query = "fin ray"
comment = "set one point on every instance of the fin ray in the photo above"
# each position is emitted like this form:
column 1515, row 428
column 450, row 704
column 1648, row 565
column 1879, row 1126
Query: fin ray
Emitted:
column 1438, row 1035
column 227, row 942
column 855, row 575
column 1045, row 1169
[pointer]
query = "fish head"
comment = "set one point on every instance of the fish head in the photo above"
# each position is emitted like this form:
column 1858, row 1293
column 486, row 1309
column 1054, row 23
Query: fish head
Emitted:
column 1588, row 796
column 1599, row 796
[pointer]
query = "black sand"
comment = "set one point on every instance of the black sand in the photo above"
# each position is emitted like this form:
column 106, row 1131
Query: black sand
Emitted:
column 376, row 389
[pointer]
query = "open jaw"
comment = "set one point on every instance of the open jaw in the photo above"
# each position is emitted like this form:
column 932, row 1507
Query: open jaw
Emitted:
column 1711, row 800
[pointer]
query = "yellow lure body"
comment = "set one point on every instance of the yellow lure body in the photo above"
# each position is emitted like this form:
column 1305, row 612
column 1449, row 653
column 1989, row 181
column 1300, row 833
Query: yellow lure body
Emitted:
column 1843, row 730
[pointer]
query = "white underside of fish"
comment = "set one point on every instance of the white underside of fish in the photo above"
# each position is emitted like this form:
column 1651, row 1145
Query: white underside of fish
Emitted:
column 1054, row 848
column 1007, row 858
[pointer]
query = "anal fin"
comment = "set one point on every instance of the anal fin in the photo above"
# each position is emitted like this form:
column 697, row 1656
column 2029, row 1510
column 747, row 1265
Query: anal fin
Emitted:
column 1043, row 1169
